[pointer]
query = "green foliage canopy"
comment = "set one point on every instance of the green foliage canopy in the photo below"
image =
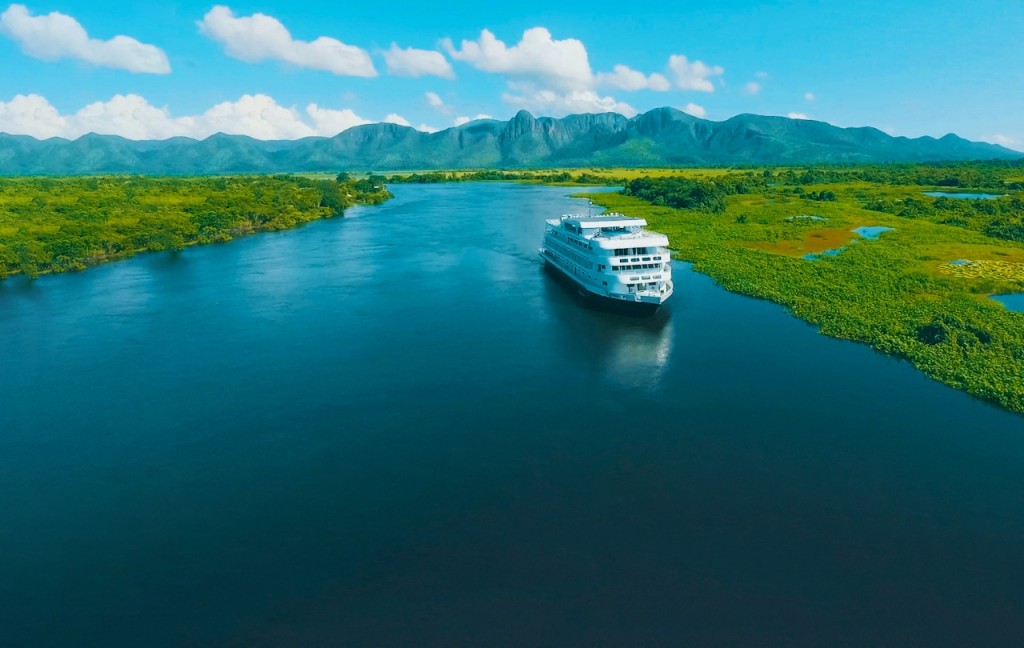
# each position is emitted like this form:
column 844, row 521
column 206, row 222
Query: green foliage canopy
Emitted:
column 59, row 224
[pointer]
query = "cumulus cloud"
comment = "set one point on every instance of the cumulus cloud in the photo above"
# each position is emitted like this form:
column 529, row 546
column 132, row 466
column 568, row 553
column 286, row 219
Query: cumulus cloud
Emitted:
column 394, row 118
column 413, row 62
column 31, row 115
column 126, row 115
column 561, row 64
column 550, row 102
column 753, row 88
column 797, row 115
column 257, row 116
column 330, row 122
column 809, row 96
column 459, row 121
column 56, row 36
column 695, row 75
column 260, row 37
column 695, row 110
column 625, row 78
column 132, row 116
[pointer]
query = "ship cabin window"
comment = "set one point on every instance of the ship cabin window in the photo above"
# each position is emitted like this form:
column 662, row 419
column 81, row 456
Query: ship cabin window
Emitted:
column 600, row 267
column 621, row 252
column 635, row 259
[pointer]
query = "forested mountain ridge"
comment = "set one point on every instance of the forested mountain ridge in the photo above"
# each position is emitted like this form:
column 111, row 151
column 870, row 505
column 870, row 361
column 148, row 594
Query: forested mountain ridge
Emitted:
column 660, row 137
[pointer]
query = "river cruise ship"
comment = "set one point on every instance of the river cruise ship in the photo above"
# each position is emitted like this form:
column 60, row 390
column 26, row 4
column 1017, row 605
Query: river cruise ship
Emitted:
column 612, row 258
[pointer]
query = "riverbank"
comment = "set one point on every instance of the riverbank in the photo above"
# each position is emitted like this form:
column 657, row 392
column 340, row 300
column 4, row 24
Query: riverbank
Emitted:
column 795, row 244
column 50, row 225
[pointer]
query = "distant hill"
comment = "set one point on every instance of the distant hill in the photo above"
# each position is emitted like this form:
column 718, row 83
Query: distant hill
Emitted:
column 661, row 137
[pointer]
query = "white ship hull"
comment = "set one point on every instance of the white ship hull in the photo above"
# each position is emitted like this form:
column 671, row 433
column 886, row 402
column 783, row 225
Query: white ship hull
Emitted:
column 610, row 259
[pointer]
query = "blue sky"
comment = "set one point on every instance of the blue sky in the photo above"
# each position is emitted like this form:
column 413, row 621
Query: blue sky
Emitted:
column 283, row 70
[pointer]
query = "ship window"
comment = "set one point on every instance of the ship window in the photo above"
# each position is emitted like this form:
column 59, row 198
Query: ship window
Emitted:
column 605, row 282
column 634, row 260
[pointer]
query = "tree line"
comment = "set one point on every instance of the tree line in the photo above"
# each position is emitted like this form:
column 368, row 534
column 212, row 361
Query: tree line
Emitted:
column 59, row 224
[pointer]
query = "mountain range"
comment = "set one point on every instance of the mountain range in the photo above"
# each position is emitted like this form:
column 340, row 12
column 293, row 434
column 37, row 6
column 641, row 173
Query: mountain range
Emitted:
column 660, row 137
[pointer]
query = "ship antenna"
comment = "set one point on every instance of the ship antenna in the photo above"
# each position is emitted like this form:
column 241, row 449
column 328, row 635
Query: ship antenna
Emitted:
column 590, row 208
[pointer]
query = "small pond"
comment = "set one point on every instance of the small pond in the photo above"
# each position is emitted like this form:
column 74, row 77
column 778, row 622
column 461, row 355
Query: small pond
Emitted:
column 872, row 232
column 1013, row 301
column 963, row 196
column 869, row 232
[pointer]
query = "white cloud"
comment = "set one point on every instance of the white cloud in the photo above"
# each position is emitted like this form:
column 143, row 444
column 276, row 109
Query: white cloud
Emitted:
column 257, row 116
column 753, row 88
column 625, row 78
column 131, row 116
column 413, row 62
column 394, row 118
column 31, row 115
column 56, row 36
column 459, row 121
column 554, row 77
column 435, row 101
column 1002, row 140
column 126, row 115
column 797, row 115
column 557, row 104
column 329, row 122
column 424, row 128
column 260, row 37
column 561, row 64
column 693, row 75
column 695, row 110
column 809, row 96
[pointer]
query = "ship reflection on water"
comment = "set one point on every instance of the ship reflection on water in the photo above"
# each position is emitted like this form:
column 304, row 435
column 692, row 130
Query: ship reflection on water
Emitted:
column 626, row 350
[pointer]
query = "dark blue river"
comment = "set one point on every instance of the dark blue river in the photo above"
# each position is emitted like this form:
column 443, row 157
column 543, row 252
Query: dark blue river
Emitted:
column 395, row 429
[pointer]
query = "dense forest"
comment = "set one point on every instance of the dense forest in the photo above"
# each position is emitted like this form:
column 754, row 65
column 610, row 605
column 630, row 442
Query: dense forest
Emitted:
column 59, row 224
column 921, row 291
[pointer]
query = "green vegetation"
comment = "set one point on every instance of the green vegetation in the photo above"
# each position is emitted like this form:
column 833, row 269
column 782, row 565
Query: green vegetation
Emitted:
column 594, row 176
column 534, row 176
column 58, row 224
column 919, row 292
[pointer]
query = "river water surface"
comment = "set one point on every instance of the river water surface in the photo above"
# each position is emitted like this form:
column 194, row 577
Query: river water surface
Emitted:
column 395, row 429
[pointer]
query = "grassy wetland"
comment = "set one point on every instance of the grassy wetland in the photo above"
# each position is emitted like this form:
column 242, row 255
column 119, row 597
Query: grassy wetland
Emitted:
column 919, row 291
